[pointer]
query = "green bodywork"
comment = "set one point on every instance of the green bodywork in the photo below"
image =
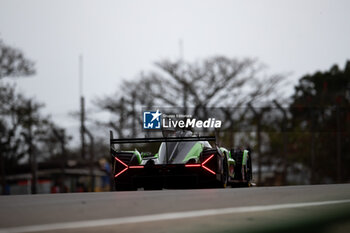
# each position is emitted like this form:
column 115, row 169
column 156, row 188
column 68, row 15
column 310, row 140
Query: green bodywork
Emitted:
column 230, row 160
column 138, row 156
column 147, row 155
column 194, row 153
column 245, row 158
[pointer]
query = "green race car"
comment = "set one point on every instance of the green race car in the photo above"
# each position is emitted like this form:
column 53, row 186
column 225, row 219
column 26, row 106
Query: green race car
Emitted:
column 181, row 162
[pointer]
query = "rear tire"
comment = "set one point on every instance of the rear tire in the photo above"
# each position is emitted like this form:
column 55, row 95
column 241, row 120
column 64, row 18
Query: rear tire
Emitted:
column 238, row 157
column 224, row 176
column 249, row 174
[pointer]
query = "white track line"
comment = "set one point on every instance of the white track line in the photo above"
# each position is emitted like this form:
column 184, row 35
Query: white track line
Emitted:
column 165, row 216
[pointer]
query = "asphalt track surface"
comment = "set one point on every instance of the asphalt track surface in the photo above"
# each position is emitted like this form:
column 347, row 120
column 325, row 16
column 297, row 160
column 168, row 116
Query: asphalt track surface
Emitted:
column 257, row 209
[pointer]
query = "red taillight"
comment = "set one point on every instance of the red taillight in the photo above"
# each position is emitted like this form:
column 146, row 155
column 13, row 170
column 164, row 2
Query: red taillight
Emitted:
column 202, row 165
column 208, row 159
column 121, row 172
column 212, row 172
column 135, row 166
column 192, row 165
column 126, row 167
column 206, row 168
column 121, row 162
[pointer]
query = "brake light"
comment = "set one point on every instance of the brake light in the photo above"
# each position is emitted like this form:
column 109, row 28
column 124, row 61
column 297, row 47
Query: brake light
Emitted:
column 206, row 168
column 126, row 167
column 212, row 172
column 193, row 165
column 202, row 165
column 208, row 159
column 135, row 166
column 120, row 161
column 121, row 172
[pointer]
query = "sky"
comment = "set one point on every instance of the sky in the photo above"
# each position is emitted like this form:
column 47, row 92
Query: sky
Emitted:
column 120, row 39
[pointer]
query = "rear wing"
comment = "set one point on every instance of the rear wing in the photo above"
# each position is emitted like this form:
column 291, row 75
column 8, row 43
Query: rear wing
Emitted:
column 158, row 139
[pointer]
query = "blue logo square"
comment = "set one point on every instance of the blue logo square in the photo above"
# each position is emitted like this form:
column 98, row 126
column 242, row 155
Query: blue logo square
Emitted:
column 152, row 120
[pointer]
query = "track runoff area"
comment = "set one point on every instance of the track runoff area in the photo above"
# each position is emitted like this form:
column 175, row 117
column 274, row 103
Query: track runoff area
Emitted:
column 317, row 208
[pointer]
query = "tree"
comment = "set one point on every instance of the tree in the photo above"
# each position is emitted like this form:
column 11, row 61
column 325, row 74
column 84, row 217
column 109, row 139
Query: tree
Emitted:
column 321, row 112
column 215, row 82
column 24, row 131
column 13, row 63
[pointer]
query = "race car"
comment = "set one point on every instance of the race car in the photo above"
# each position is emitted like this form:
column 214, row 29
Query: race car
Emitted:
column 181, row 162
